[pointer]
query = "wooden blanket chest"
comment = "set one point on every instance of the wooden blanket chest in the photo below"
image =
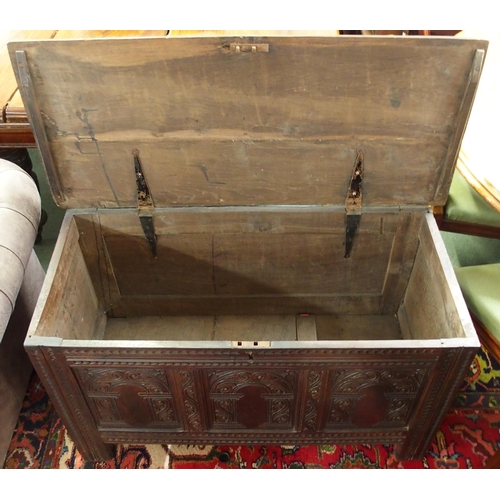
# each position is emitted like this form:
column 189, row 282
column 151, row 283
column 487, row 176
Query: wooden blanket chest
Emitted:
column 249, row 254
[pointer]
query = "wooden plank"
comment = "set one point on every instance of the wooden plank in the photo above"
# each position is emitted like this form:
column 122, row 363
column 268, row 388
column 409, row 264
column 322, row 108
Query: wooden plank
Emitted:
column 86, row 34
column 401, row 262
column 255, row 328
column 187, row 278
column 305, row 91
column 256, row 263
column 202, row 33
column 35, row 116
column 357, row 327
column 10, row 97
column 215, row 170
column 249, row 305
column 181, row 328
column 67, row 306
column 183, row 266
column 78, row 315
column 245, row 220
column 303, row 264
column 57, row 273
column 306, row 328
column 193, row 328
column 450, row 160
column 97, row 261
column 437, row 257
column 433, row 303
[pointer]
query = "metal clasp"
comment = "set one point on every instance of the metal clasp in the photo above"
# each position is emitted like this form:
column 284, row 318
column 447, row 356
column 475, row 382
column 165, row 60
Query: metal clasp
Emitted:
column 250, row 47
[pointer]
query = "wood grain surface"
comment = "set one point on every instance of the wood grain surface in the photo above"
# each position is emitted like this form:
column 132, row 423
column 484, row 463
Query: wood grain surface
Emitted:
column 215, row 127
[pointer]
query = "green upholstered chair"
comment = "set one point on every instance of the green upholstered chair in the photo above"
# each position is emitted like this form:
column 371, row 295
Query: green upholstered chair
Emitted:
column 481, row 289
column 466, row 212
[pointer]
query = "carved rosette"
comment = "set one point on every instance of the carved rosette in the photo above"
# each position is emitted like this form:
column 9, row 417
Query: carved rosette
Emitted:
column 227, row 387
column 396, row 391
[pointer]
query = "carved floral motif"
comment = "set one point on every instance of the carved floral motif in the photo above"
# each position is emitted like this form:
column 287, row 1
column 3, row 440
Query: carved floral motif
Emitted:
column 313, row 395
column 225, row 391
column 191, row 404
column 106, row 380
column 103, row 387
column 397, row 390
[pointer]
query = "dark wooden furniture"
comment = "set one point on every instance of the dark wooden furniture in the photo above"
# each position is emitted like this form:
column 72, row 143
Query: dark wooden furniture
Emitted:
column 251, row 257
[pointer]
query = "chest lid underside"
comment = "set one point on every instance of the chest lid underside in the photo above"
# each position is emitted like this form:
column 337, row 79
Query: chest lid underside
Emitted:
column 249, row 121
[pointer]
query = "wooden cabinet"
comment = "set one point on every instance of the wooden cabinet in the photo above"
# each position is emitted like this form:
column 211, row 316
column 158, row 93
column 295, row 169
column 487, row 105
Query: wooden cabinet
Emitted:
column 252, row 258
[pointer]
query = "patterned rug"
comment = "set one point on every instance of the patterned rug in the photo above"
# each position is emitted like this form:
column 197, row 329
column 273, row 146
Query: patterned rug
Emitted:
column 469, row 434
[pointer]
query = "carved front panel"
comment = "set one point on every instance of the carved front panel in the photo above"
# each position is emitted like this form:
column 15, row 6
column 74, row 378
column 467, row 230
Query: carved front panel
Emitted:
column 190, row 400
column 131, row 397
column 368, row 398
column 314, row 394
column 245, row 399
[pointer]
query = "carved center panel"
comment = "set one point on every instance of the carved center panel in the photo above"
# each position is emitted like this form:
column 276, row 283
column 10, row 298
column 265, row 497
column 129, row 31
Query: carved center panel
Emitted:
column 134, row 398
column 252, row 399
column 368, row 398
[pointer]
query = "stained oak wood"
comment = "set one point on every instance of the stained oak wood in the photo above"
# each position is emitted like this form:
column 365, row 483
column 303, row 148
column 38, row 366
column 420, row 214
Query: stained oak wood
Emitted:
column 306, row 328
column 433, row 292
column 10, row 97
column 211, row 33
column 232, row 261
column 73, row 310
column 249, row 325
column 242, row 131
column 357, row 327
column 254, row 328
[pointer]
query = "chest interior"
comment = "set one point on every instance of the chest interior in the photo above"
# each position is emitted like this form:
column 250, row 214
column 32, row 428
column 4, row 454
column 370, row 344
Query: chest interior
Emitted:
column 212, row 188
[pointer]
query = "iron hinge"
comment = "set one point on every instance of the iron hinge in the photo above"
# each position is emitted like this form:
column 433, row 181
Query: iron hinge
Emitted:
column 353, row 204
column 145, row 205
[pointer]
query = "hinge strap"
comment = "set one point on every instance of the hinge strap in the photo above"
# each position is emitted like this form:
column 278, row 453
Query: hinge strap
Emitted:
column 353, row 202
column 145, row 204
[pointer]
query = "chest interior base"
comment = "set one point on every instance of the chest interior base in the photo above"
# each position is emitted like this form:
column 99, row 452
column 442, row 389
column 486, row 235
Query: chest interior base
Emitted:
column 220, row 277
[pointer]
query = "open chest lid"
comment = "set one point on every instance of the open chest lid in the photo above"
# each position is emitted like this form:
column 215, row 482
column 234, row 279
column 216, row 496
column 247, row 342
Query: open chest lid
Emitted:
column 249, row 121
